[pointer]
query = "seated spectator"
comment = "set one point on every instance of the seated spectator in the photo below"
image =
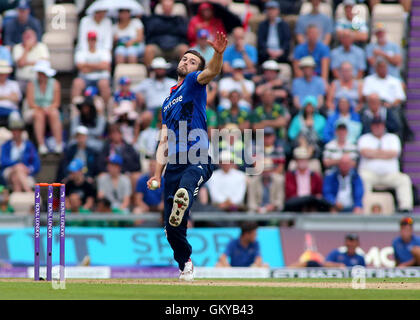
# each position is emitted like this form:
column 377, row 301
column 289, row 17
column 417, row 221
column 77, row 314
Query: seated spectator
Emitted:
column 348, row 256
column 317, row 50
column 166, row 35
column 115, row 186
column 389, row 88
column 307, row 85
column 340, row 146
column 204, row 19
column 324, row 24
column 348, row 52
column 124, row 93
column 386, row 50
column 266, row 191
column 236, row 82
column 303, row 187
column 128, row 38
column 308, row 123
column 358, row 26
column 25, row 55
column 343, row 187
column 5, row 207
column 19, row 161
column 346, row 86
column 244, row 251
column 80, row 191
column 227, row 185
column 344, row 114
column 10, row 94
column 379, row 164
column 202, row 46
column 147, row 200
column 273, row 36
column 15, row 27
column 99, row 24
column 116, row 145
column 271, row 80
column 6, row 55
column 44, row 98
column 79, row 149
column 154, row 89
column 407, row 245
column 125, row 116
column 375, row 109
column 239, row 49
column 94, row 66
column 148, row 134
column 237, row 114
column 231, row 142
column 270, row 114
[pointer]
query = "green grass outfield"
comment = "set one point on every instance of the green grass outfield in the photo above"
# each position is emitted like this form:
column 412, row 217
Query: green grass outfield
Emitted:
column 229, row 289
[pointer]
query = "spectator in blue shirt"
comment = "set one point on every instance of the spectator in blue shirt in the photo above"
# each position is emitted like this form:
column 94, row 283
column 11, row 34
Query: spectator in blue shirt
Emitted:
column 343, row 187
column 315, row 48
column 350, row 53
column 6, row 55
column 349, row 255
column 324, row 23
column 243, row 252
column 308, row 84
column 240, row 50
column 14, row 28
column 407, row 245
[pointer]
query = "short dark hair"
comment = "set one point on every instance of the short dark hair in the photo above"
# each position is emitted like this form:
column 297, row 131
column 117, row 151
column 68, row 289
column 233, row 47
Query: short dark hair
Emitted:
column 248, row 227
column 197, row 54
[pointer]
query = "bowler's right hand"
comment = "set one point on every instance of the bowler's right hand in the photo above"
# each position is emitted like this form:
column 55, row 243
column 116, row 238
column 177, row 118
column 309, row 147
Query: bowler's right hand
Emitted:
column 149, row 182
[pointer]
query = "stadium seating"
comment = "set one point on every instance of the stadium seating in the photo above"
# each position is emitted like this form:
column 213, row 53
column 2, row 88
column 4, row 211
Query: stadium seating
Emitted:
column 61, row 49
column 62, row 18
column 136, row 72
column 22, row 202
column 324, row 8
column 392, row 16
column 385, row 199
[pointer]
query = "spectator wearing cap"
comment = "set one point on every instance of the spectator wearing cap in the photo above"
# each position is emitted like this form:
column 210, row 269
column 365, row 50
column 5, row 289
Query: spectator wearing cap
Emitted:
column 10, row 94
column 244, row 251
column 80, row 191
column 343, row 187
column 202, row 46
column 407, row 245
column 14, row 29
column 273, row 35
column 99, row 24
column 237, row 113
column 358, row 27
column 153, row 90
column 271, row 80
column 124, row 93
column 270, row 114
column 166, row 34
column 338, row 147
column 375, row 109
column 239, row 49
column 204, row 19
column 316, row 49
column 349, row 52
column 386, row 50
column 349, row 255
column 227, row 185
column 94, row 66
column 344, row 113
column 308, row 84
column 308, row 124
column 128, row 36
column 19, row 161
column 379, row 164
column 80, row 149
column 114, row 185
column 322, row 22
column 25, row 55
column 44, row 99
column 266, row 190
column 303, row 187
column 125, row 116
column 238, row 82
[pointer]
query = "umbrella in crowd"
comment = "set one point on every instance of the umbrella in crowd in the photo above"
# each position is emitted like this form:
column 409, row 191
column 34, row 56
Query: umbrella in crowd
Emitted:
column 112, row 6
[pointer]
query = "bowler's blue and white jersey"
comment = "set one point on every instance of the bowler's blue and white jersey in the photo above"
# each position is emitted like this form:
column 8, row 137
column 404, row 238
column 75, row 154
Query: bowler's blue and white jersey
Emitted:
column 184, row 113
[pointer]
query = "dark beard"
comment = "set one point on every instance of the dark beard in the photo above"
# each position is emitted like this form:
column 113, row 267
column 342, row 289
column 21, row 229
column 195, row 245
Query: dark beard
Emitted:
column 181, row 72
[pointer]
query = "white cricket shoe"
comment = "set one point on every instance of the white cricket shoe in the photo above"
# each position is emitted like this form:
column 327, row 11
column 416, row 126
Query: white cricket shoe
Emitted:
column 181, row 202
column 188, row 273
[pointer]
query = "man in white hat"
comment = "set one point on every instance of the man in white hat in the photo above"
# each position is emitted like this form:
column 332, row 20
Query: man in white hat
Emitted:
column 271, row 80
column 10, row 94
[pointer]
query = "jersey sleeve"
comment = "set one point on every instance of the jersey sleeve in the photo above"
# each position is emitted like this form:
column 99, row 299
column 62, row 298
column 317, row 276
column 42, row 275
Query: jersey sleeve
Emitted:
column 163, row 116
column 191, row 79
column 332, row 256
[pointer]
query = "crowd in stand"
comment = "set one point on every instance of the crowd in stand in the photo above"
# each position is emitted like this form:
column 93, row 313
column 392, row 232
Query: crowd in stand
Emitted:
column 332, row 130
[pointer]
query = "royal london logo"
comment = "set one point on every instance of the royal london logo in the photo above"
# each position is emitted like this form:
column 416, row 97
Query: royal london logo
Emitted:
column 172, row 102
